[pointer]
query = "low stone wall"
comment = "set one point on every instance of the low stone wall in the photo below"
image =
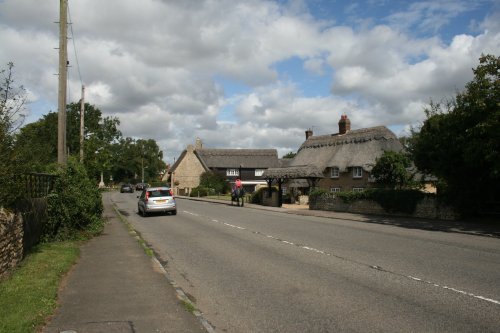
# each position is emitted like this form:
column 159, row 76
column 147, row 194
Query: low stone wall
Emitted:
column 427, row 208
column 11, row 241
column 20, row 232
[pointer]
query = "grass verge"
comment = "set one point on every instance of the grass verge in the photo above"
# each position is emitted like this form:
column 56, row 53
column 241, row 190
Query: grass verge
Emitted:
column 219, row 197
column 29, row 296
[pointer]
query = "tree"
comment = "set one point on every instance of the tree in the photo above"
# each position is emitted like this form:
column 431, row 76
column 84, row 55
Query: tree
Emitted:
column 459, row 142
column 12, row 113
column 391, row 170
column 36, row 144
column 12, row 102
column 214, row 181
column 290, row 155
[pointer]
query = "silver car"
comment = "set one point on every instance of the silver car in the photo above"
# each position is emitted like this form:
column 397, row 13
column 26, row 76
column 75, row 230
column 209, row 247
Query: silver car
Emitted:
column 156, row 200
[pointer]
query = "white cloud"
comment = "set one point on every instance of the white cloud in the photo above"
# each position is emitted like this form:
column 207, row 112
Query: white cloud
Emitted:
column 154, row 65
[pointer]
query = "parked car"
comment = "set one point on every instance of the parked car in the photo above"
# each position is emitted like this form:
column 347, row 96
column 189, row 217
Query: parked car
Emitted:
column 141, row 186
column 126, row 188
column 156, row 200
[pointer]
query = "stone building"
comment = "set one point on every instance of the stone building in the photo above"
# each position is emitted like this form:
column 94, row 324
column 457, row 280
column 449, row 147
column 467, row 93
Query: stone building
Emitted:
column 246, row 164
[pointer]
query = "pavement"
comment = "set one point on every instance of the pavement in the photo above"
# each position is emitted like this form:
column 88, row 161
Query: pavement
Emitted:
column 116, row 287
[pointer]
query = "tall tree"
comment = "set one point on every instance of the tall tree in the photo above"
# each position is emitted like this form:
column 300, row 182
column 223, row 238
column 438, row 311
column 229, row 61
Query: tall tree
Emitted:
column 150, row 158
column 12, row 113
column 459, row 142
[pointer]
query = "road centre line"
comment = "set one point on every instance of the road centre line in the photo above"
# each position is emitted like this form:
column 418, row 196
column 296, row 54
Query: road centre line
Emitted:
column 375, row 267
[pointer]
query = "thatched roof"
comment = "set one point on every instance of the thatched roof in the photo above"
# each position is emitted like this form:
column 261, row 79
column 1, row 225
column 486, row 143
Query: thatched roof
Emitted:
column 358, row 148
column 302, row 171
column 234, row 158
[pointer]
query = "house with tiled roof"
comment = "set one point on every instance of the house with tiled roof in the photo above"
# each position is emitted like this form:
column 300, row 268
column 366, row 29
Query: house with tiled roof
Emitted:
column 246, row 164
column 337, row 162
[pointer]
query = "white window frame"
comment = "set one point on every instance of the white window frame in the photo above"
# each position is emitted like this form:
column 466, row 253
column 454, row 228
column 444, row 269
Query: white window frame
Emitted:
column 357, row 172
column 335, row 189
column 358, row 189
column 232, row 172
column 259, row 172
column 335, row 172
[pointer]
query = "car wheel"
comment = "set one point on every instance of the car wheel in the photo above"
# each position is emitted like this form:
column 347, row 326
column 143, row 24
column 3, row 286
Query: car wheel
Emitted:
column 174, row 212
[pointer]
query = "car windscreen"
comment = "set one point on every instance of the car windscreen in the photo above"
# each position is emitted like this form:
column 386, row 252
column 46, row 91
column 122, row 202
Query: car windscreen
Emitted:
column 159, row 193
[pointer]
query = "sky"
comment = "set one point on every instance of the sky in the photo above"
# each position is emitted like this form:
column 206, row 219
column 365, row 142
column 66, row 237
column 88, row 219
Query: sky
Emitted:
column 253, row 73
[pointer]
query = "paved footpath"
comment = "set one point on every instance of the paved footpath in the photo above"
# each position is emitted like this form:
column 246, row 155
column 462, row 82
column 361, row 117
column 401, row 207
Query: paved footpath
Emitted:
column 116, row 287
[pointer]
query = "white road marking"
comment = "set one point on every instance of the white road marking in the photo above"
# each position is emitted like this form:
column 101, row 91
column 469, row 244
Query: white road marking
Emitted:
column 455, row 290
column 304, row 247
column 234, row 226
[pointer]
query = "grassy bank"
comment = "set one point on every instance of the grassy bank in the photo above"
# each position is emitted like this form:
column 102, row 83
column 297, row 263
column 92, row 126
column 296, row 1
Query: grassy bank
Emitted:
column 226, row 197
column 29, row 295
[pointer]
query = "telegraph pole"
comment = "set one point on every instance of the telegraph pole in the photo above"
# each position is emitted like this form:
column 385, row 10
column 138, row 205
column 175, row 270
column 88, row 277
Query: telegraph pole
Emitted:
column 63, row 62
column 82, row 123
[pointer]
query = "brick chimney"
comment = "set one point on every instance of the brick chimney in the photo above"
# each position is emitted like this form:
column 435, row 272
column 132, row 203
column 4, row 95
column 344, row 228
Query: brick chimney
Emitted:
column 344, row 124
column 198, row 144
column 309, row 133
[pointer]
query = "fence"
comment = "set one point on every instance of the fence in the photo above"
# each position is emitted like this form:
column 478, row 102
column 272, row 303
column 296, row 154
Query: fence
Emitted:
column 21, row 231
column 36, row 185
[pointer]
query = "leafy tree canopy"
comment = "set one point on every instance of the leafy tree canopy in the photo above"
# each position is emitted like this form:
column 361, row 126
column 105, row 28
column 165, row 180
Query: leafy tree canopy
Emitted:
column 105, row 150
column 214, row 181
column 459, row 142
column 391, row 170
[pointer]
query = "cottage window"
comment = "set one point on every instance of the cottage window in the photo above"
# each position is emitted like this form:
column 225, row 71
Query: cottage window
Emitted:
column 259, row 172
column 334, row 189
column 357, row 172
column 358, row 189
column 335, row 172
column 232, row 172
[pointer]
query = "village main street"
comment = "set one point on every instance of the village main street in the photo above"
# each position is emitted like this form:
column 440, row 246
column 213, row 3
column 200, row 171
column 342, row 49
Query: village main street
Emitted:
column 257, row 270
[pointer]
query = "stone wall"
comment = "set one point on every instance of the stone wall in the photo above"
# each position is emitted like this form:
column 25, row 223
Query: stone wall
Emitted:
column 427, row 208
column 11, row 241
column 20, row 232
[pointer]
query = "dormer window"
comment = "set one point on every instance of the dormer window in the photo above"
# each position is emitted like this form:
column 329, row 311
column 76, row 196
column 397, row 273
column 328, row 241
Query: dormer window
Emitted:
column 357, row 172
column 335, row 172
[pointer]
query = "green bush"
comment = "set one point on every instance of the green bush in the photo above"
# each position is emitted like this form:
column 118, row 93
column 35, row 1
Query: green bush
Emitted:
column 199, row 191
column 319, row 193
column 216, row 182
column 75, row 207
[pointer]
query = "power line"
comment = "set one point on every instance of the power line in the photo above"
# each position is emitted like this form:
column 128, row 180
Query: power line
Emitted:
column 74, row 45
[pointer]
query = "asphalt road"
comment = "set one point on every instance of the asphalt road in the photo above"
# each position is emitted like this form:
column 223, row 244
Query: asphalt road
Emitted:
column 251, row 270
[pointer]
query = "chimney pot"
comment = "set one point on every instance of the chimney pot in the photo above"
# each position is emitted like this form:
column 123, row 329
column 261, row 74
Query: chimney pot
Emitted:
column 344, row 124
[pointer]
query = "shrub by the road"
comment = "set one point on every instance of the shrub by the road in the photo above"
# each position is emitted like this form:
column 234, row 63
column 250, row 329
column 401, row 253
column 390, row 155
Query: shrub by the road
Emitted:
column 75, row 206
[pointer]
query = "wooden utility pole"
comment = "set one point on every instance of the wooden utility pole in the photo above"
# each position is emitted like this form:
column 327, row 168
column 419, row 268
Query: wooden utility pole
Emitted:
column 82, row 123
column 63, row 62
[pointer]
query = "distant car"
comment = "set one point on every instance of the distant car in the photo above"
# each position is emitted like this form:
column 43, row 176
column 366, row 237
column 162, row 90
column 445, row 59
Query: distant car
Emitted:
column 156, row 200
column 141, row 186
column 126, row 188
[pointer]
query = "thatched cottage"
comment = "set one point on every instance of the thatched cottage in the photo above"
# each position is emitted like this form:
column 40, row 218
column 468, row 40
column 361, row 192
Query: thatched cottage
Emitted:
column 337, row 162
